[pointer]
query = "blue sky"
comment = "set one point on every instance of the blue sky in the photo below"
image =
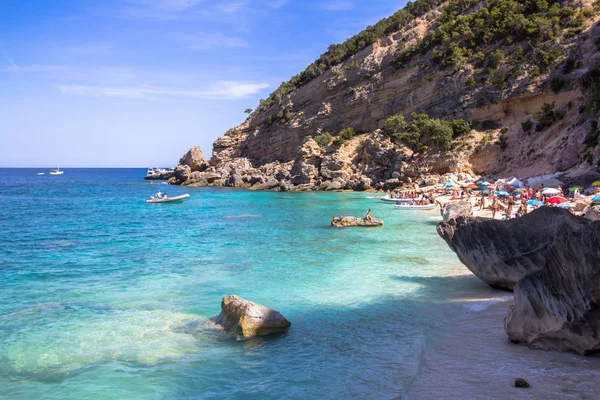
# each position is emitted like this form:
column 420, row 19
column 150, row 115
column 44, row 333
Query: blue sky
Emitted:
column 95, row 83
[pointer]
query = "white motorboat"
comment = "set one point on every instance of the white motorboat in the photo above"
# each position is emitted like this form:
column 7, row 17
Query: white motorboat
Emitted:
column 164, row 199
column 40, row 173
column 395, row 201
column 414, row 207
column 56, row 171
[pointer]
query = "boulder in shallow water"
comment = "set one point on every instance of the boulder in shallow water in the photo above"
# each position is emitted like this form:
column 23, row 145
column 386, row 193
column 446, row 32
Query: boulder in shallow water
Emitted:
column 558, row 307
column 248, row 319
column 502, row 252
column 355, row 221
column 455, row 209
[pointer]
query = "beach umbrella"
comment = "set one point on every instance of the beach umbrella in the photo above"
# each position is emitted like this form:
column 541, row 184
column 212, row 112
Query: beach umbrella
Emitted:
column 502, row 193
column 557, row 200
column 518, row 191
column 596, row 184
column 596, row 199
column 550, row 191
column 534, row 203
column 574, row 188
column 448, row 184
column 568, row 204
column 473, row 186
column 484, row 183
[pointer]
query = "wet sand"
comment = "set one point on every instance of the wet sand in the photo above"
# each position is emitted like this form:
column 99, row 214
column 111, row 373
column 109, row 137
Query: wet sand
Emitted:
column 475, row 360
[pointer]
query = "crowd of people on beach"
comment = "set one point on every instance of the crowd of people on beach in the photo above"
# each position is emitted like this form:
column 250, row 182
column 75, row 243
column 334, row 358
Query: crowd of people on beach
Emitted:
column 499, row 198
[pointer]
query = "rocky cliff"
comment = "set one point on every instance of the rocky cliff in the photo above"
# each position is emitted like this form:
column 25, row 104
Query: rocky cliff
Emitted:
column 557, row 308
column 529, row 96
column 502, row 252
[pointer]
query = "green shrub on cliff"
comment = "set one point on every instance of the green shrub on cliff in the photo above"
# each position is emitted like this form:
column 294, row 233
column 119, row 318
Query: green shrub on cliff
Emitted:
column 323, row 139
column 460, row 127
column 394, row 125
column 424, row 131
column 343, row 136
column 527, row 125
column 546, row 116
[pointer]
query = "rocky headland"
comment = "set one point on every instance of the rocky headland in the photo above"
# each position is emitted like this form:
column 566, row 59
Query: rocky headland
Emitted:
column 417, row 96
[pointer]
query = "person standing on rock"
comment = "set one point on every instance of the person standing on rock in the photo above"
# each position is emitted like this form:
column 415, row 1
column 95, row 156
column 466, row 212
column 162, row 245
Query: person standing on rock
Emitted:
column 368, row 215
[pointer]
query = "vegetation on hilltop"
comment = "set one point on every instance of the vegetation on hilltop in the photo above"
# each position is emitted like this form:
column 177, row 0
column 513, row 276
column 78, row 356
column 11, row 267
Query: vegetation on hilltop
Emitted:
column 519, row 30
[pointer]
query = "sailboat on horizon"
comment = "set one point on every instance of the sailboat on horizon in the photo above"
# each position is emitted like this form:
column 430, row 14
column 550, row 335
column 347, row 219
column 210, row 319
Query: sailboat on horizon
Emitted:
column 57, row 171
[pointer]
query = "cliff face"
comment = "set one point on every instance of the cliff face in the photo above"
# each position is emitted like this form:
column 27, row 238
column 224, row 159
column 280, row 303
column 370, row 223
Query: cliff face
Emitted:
column 501, row 253
column 557, row 308
column 367, row 88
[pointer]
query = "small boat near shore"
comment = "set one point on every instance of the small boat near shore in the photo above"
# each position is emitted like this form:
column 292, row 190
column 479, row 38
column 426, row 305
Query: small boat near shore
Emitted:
column 40, row 173
column 176, row 199
column 395, row 201
column 414, row 207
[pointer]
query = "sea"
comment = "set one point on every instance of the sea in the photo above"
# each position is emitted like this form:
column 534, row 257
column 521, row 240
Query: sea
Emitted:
column 106, row 297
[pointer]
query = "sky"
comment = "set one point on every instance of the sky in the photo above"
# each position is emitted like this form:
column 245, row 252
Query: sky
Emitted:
column 136, row 83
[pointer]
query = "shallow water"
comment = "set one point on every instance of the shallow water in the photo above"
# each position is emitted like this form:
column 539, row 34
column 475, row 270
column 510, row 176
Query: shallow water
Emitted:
column 105, row 296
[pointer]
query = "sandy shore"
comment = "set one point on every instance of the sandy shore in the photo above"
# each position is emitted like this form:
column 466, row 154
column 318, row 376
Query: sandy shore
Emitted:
column 474, row 359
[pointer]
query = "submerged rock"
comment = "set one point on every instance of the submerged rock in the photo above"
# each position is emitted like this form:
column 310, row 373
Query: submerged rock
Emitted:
column 502, row 252
column 355, row 221
column 455, row 209
column 557, row 307
column 248, row 319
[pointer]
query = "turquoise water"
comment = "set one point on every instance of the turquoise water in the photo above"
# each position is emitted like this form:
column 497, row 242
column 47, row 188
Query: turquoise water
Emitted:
column 104, row 296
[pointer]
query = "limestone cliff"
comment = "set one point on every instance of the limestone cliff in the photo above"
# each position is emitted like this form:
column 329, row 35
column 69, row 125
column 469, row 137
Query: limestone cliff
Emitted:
column 275, row 147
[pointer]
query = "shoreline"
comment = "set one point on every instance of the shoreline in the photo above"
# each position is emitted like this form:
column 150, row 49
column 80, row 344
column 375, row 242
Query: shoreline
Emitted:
column 475, row 359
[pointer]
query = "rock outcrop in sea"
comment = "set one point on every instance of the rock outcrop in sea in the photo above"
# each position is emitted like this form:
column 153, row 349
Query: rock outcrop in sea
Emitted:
column 502, row 252
column 192, row 162
column 247, row 319
column 558, row 307
column 355, row 221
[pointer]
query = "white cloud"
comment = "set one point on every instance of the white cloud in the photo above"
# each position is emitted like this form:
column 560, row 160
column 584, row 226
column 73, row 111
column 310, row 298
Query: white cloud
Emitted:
column 204, row 41
column 224, row 90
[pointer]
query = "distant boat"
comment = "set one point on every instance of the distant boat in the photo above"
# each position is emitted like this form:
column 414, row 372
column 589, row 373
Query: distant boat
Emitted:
column 56, row 171
column 40, row 173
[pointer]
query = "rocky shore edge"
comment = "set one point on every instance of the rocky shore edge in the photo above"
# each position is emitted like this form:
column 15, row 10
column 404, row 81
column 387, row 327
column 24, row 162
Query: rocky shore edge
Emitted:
column 310, row 171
